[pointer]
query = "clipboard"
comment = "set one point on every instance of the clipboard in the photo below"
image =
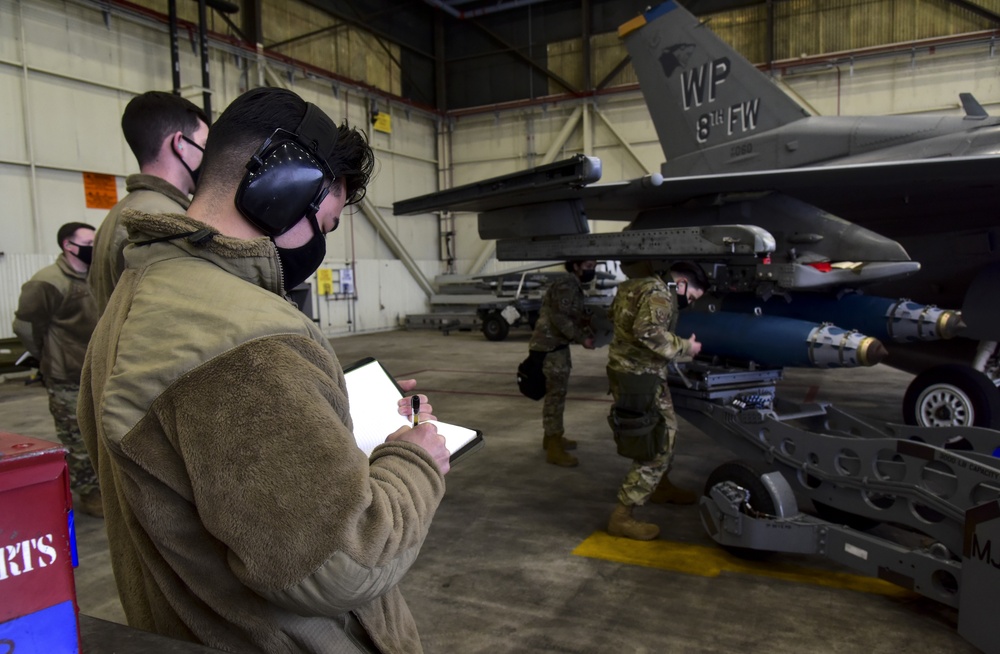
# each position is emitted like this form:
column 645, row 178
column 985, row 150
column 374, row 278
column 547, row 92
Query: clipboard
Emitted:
column 373, row 394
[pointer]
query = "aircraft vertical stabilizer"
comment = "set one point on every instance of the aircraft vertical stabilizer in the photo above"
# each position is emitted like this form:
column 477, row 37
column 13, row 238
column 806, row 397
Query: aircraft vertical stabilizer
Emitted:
column 700, row 92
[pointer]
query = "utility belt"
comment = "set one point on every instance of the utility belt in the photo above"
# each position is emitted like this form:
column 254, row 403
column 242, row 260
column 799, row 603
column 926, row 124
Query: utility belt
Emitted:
column 639, row 428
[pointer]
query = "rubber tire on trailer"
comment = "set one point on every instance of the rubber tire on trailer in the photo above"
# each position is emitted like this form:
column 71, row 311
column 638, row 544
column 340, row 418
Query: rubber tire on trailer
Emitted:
column 953, row 386
column 842, row 517
column 747, row 476
column 495, row 328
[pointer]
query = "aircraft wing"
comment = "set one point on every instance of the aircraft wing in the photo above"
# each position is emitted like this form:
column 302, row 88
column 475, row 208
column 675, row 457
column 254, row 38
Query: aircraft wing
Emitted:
column 840, row 189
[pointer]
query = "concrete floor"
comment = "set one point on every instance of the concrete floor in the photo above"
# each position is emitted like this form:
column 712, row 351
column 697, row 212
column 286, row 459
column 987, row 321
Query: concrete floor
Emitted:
column 498, row 572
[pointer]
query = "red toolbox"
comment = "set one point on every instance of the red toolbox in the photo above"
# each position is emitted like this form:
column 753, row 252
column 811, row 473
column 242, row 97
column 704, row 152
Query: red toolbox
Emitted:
column 38, row 609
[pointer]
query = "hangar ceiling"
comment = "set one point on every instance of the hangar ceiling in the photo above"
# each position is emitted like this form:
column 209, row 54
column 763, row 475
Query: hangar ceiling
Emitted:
column 454, row 54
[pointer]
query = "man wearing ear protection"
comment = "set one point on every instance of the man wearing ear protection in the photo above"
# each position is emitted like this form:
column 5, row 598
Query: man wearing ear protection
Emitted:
column 54, row 319
column 240, row 512
column 642, row 418
column 167, row 135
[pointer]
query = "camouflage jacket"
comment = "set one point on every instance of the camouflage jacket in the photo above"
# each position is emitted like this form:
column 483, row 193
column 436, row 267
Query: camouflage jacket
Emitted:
column 645, row 315
column 563, row 318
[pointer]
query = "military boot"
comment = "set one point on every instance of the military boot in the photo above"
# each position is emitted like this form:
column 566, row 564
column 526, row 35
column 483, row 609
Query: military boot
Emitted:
column 555, row 453
column 567, row 443
column 623, row 524
column 667, row 493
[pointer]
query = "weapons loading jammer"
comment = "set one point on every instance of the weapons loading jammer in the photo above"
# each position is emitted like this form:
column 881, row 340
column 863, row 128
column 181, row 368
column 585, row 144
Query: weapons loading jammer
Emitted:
column 943, row 482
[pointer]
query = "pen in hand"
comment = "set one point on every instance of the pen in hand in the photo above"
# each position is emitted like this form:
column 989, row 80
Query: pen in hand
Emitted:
column 415, row 405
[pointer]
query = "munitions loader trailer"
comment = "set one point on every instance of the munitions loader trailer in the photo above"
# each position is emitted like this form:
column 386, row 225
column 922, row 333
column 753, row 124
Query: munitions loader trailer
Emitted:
column 940, row 482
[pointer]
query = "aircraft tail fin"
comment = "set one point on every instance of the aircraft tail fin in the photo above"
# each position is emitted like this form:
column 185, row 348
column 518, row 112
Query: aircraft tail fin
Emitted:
column 972, row 107
column 699, row 90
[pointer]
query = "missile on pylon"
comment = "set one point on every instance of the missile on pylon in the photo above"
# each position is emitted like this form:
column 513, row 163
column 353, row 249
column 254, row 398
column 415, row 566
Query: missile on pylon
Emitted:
column 902, row 320
column 775, row 341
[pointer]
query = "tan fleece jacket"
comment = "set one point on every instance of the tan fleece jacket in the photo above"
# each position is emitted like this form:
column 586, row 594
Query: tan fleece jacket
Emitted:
column 239, row 510
column 146, row 193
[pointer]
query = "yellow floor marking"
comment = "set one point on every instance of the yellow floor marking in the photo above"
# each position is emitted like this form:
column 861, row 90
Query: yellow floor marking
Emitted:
column 713, row 561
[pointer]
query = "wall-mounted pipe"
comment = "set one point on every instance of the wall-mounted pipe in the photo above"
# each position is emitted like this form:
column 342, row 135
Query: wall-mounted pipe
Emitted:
column 36, row 222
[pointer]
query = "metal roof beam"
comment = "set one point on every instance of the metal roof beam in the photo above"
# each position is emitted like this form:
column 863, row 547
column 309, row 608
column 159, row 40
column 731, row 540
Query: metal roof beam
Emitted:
column 977, row 10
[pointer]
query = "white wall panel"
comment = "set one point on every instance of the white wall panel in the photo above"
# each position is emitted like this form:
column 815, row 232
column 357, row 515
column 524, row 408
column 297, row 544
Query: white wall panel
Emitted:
column 13, row 147
column 468, row 245
column 410, row 178
column 487, row 145
column 9, row 32
column 903, row 84
column 54, row 44
column 15, row 270
column 145, row 59
column 88, row 136
column 61, row 200
column 15, row 218
column 386, row 293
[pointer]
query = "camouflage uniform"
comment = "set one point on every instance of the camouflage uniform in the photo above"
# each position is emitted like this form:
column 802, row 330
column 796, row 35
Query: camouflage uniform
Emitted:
column 563, row 319
column 56, row 315
column 645, row 315
column 62, row 405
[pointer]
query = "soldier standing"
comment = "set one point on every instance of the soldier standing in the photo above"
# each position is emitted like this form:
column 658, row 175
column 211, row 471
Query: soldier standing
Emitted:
column 563, row 319
column 167, row 135
column 644, row 313
column 56, row 314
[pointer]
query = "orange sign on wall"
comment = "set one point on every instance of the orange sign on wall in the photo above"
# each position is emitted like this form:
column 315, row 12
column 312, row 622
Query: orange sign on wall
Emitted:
column 101, row 190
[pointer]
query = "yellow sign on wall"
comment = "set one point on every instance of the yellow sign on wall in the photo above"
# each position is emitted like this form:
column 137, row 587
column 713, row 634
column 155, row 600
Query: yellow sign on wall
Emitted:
column 383, row 123
column 324, row 281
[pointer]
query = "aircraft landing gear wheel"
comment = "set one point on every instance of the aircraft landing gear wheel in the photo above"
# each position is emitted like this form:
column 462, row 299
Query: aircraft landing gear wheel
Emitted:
column 952, row 396
column 495, row 328
column 746, row 476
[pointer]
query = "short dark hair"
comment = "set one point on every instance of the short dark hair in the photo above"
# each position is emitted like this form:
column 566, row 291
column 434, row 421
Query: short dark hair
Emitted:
column 252, row 118
column 67, row 230
column 352, row 162
column 693, row 272
column 152, row 116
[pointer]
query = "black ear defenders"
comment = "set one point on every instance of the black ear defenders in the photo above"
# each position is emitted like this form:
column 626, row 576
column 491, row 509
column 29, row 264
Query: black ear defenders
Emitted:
column 288, row 177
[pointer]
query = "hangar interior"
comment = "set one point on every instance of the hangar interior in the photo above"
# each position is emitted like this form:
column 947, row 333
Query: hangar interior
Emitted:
column 451, row 92
column 500, row 114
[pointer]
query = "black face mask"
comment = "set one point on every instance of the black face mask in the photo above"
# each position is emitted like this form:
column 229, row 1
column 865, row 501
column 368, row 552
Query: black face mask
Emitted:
column 298, row 263
column 84, row 253
column 587, row 276
column 682, row 299
column 196, row 173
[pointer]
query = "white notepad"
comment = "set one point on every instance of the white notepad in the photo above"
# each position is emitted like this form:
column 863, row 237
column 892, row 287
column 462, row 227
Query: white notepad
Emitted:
column 374, row 395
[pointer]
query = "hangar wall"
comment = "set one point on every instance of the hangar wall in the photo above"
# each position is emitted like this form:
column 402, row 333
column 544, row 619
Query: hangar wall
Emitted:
column 67, row 69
